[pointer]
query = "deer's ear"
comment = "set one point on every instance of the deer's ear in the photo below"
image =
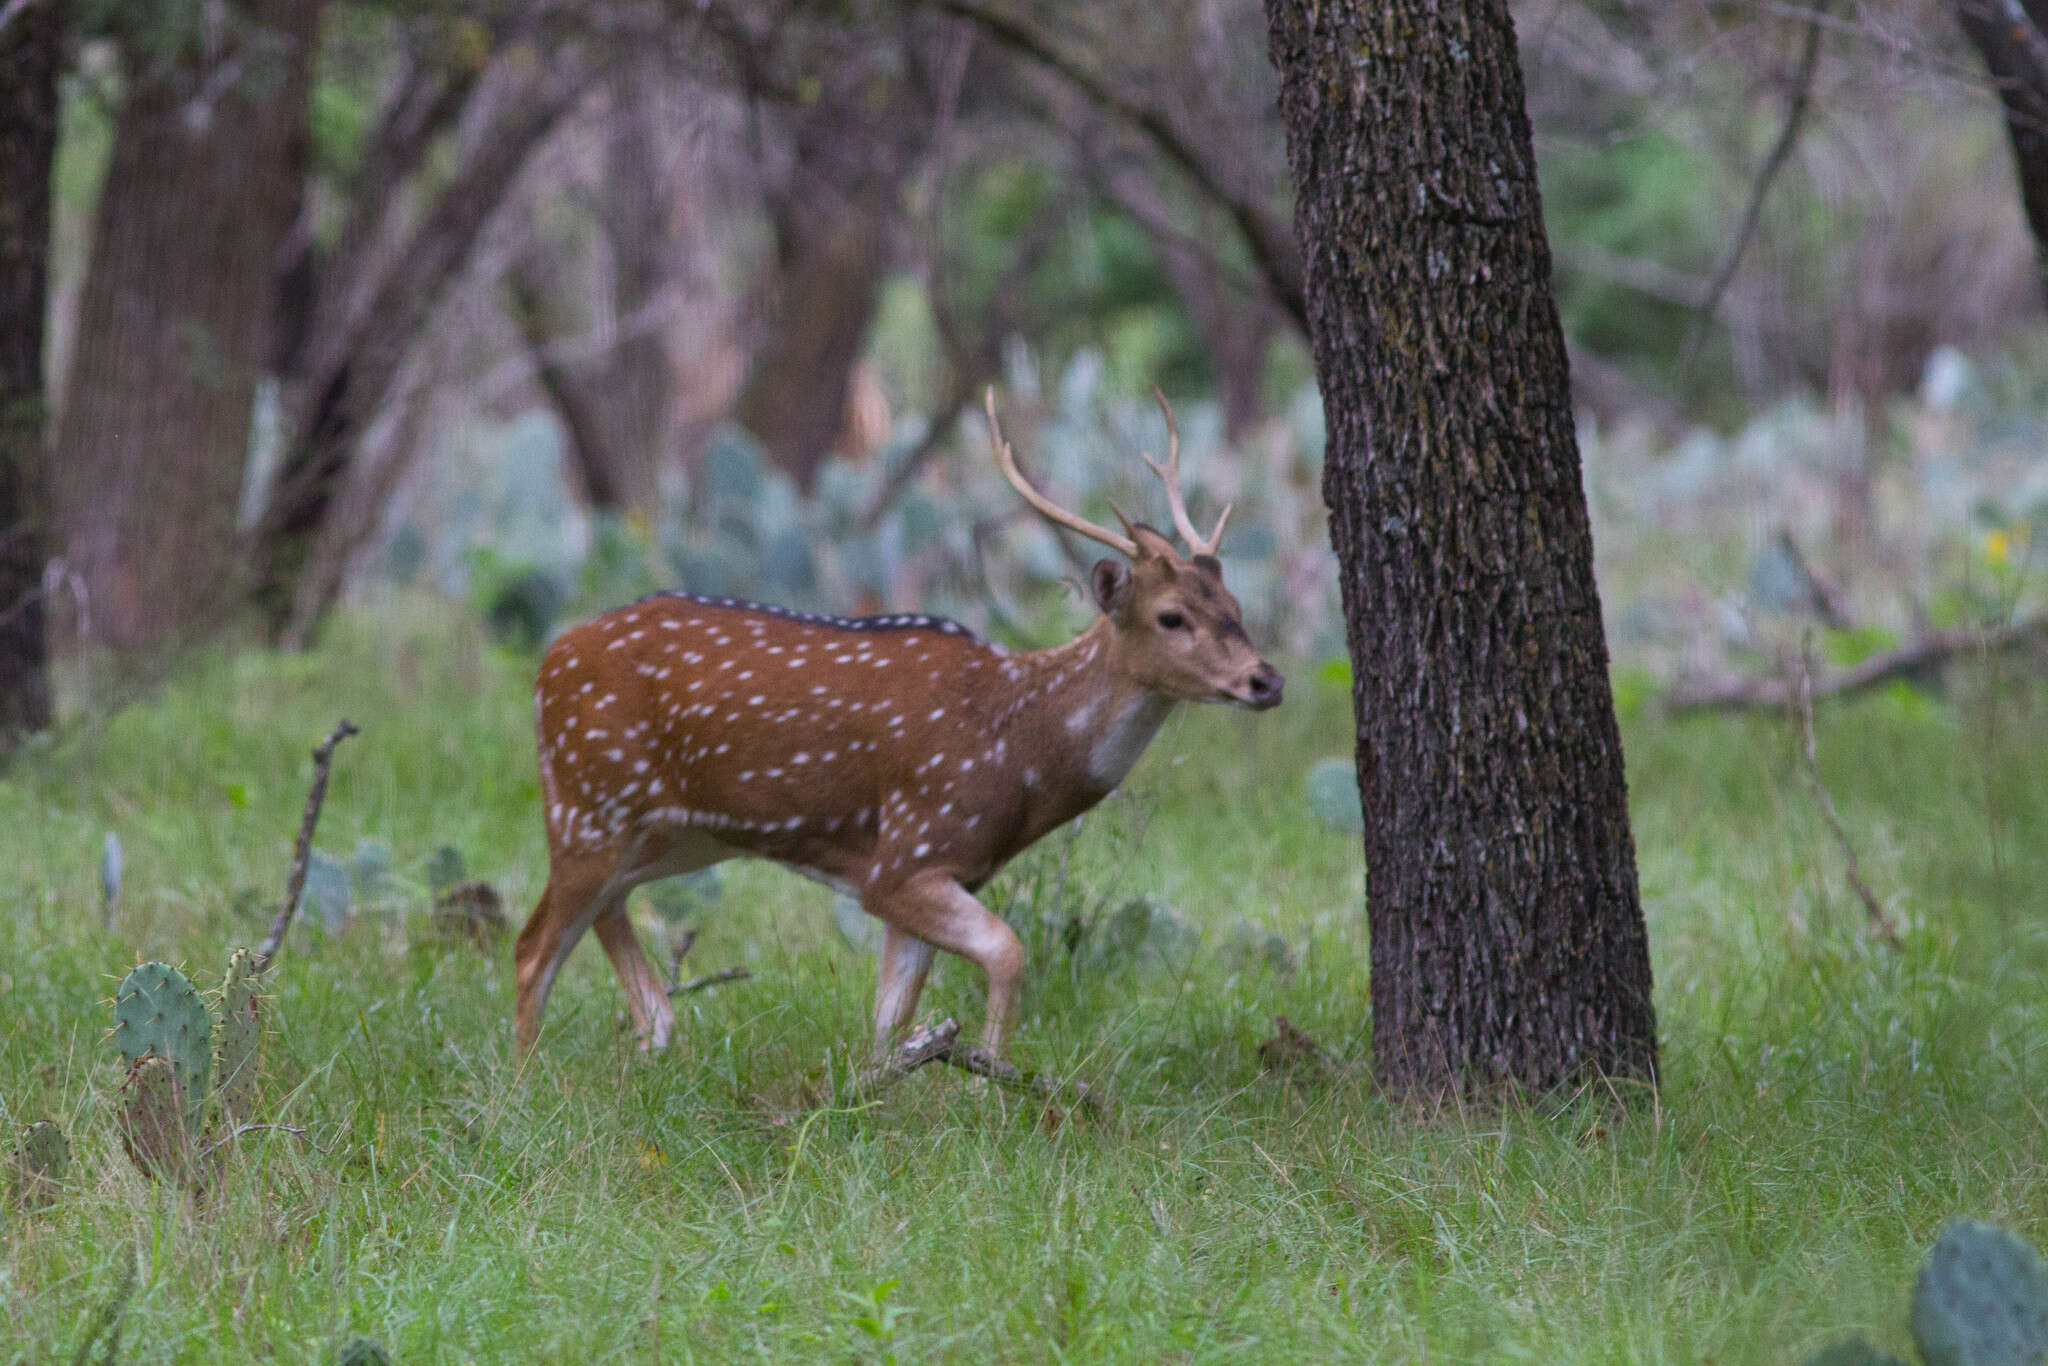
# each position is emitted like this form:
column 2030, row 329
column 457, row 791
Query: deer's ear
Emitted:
column 1111, row 581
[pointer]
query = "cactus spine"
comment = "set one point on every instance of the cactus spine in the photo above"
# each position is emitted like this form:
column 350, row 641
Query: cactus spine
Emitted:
column 241, row 1038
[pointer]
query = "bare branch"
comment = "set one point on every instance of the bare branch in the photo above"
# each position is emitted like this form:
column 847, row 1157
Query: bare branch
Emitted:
column 323, row 758
column 941, row 1043
column 1788, row 137
column 1728, row 694
column 1270, row 242
column 710, row 979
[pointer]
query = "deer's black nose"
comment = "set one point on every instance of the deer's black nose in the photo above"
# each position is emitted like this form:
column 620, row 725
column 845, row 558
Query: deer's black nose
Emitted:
column 1264, row 687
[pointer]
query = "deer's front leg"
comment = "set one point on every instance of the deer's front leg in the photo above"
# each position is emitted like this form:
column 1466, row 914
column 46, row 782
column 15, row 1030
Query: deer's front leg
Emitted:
column 936, row 909
column 906, row 962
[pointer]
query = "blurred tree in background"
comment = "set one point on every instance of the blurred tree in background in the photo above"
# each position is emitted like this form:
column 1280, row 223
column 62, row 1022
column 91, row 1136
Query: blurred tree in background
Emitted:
column 30, row 53
column 348, row 294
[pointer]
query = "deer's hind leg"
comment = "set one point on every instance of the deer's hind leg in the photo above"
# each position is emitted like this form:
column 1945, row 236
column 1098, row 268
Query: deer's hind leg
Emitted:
column 654, row 1019
column 572, row 899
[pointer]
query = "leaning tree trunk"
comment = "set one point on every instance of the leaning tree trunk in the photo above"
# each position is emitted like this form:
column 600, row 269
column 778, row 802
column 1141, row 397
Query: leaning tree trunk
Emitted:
column 175, row 327
column 29, row 55
column 1507, row 933
column 362, row 332
column 2012, row 38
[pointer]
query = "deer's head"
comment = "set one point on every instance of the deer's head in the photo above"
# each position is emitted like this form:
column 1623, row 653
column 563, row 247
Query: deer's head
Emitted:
column 1176, row 630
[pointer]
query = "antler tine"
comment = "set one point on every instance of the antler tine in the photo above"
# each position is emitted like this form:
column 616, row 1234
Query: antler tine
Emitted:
column 1176, row 502
column 1050, row 510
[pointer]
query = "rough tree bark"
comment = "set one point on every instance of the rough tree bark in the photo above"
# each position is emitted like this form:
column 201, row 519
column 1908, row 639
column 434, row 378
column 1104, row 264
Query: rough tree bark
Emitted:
column 1507, row 931
column 2012, row 38
column 176, row 325
column 30, row 51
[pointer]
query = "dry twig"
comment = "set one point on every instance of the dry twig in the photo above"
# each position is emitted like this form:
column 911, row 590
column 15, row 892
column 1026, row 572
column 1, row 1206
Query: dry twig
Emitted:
column 941, row 1043
column 1721, row 694
column 323, row 758
column 710, row 979
column 1880, row 923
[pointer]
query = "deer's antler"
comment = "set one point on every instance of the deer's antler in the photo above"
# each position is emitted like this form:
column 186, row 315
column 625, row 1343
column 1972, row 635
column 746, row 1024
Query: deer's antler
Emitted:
column 1169, row 475
column 1052, row 511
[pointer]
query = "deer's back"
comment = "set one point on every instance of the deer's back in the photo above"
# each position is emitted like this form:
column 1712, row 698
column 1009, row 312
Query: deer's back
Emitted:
column 776, row 731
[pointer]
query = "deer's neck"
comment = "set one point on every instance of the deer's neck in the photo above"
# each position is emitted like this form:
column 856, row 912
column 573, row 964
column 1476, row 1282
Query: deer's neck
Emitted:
column 1082, row 721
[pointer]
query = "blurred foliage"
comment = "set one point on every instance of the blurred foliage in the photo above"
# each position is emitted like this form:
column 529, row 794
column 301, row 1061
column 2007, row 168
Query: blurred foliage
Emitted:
column 1643, row 197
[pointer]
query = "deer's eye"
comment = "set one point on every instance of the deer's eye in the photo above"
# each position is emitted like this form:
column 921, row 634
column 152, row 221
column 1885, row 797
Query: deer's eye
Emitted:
column 1172, row 621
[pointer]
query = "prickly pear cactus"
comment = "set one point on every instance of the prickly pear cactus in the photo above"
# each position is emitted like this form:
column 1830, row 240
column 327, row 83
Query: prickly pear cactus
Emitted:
column 241, row 1037
column 158, row 1014
column 444, row 870
column 40, row 1164
column 153, row 1129
column 1981, row 1300
column 1855, row 1351
column 362, row 1352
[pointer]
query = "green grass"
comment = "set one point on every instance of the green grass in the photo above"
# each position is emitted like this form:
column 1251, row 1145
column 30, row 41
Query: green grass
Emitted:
column 1826, row 1104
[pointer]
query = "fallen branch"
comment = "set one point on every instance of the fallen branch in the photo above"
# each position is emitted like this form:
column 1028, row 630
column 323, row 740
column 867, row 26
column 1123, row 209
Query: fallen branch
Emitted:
column 1879, row 921
column 1727, row 694
column 323, row 758
column 676, row 986
column 710, row 979
column 941, row 1043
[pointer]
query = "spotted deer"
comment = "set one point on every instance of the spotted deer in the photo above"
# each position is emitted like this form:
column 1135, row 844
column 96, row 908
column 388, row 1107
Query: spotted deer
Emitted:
column 898, row 758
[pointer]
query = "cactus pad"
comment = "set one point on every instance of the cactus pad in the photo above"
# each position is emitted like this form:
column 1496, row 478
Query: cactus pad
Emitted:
column 1981, row 1300
column 1855, row 1351
column 241, row 1037
column 361, row 1352
column 152, row 1114
column 40, row 1164
column 158, row 1013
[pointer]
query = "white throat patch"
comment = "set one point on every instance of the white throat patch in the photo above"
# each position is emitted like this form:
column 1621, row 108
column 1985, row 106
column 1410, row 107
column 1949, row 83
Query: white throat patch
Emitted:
column 1120, row 743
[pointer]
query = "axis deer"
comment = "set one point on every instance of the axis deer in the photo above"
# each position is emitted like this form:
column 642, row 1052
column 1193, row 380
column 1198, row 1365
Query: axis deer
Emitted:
column 898, row 758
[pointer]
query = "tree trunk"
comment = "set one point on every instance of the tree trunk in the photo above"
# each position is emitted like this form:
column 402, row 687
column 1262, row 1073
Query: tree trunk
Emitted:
column 616, row 406
column 794, row 402
column 2012, row 38
column 176, row 325
column 364, row 328
column 30, row 50
column 1507, row 932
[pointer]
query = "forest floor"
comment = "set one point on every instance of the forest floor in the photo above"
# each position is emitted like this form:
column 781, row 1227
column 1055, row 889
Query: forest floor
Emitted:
column 1826, row 1104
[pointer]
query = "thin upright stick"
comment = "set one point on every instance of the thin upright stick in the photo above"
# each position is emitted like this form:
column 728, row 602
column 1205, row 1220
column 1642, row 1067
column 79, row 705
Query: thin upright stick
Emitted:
column 1880, row 923
column 323, row 757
